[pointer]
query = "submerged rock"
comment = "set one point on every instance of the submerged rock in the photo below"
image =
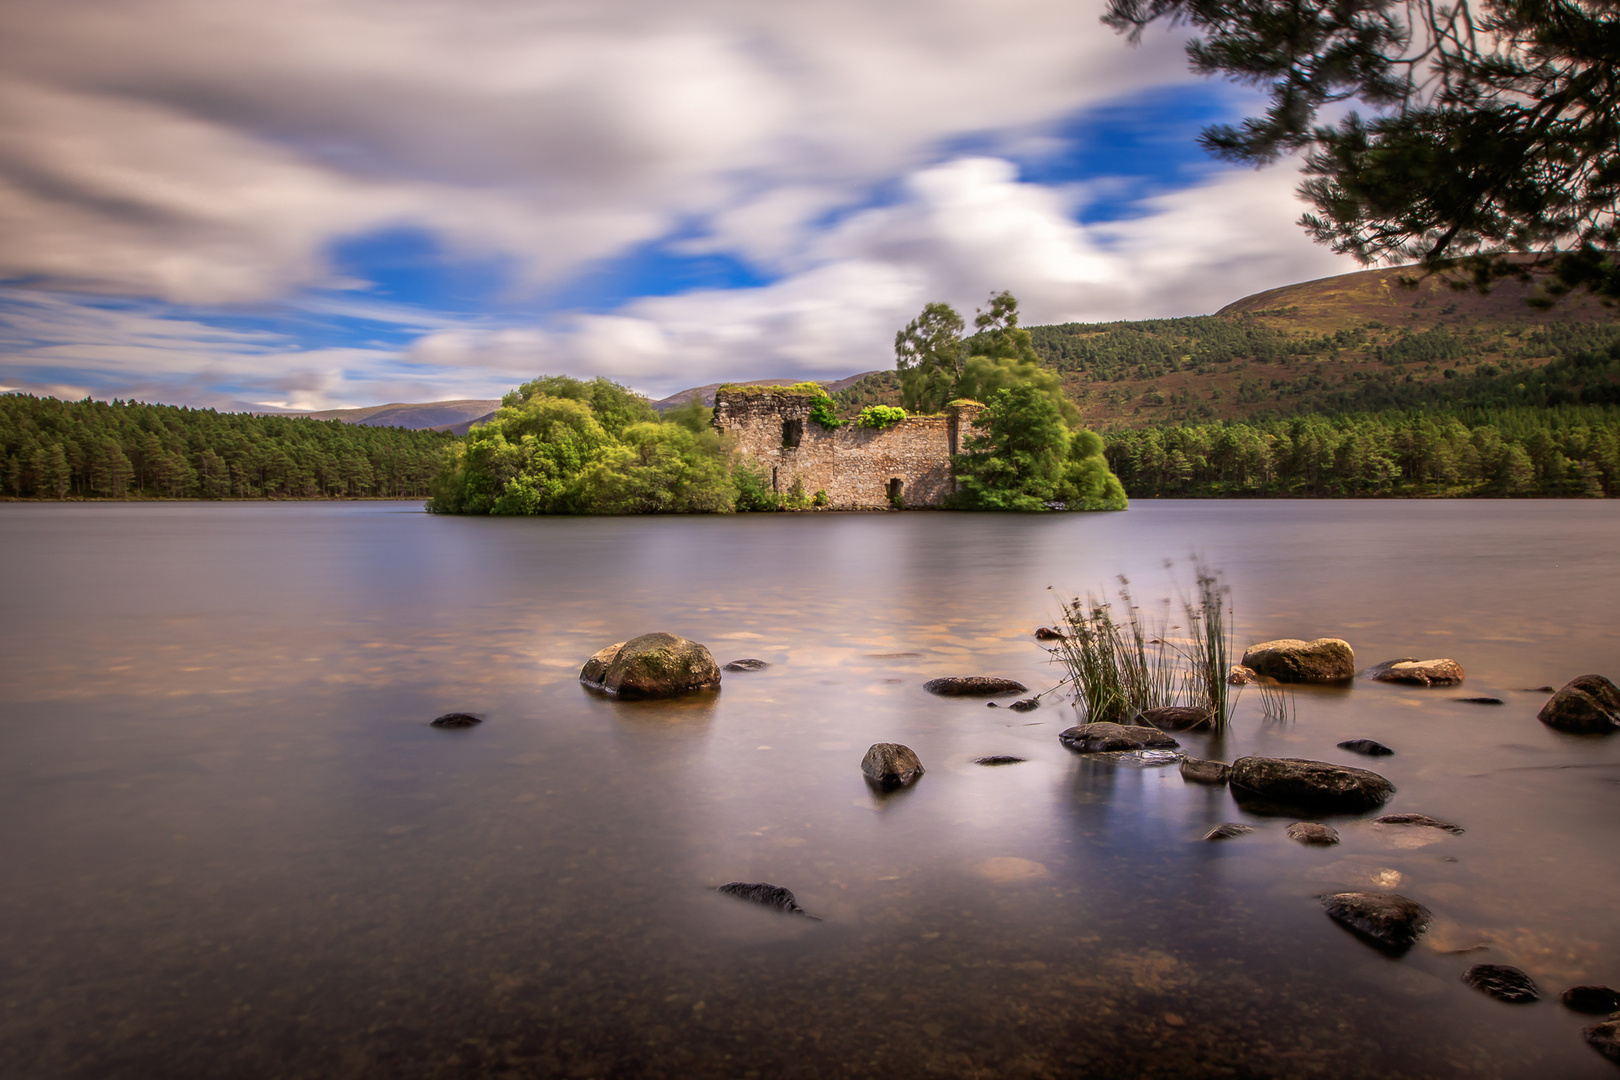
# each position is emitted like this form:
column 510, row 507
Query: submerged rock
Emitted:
column 1502, row 982
column 999, row 759
column 891, row 765
column 1226, row 830
column 1586, row 705
column 1176, row 718
column 1419, row 820
column 456, row 720
column 1241, row 676
column 1046, row 633
column 1591, row 999
column 1104, row 737
column 1417, row 672
column 765, row 894
column 1026, row 705
column 1313, row 832
column 973, row 686
column 1299, row 782
column 1605, row 1038
column 747, row 665
column 651, row 666
column 1199, row 771
column 1480, row 700
column 1389, row 921
column 1370, row 747
column 1289, row 660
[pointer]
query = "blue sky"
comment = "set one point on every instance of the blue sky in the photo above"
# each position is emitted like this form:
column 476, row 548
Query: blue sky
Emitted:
column 347, row 202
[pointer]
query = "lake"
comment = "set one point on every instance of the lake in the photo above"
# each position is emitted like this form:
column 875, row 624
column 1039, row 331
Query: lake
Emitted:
column 233, row 846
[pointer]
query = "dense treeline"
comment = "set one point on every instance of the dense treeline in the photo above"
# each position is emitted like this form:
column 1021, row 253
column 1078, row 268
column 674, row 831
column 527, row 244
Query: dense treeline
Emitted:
column 56, row 449
column 1155, row 347
column 1560, row 451
column 1581, row 378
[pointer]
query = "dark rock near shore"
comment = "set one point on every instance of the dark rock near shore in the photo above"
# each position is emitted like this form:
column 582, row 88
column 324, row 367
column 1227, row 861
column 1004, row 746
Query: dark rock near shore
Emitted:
column 456, row 720
column 1313, row 832
column 1176, row 718
column 1241, row 676
column 747, row 665
column 1026, row 705
column 1199, row 771
column 974, row 686
column 1370, row 747
column 1226, row 830
column 1605, row 1038
column 1388, row 921
column 1046, row 633
column 1289, row 660
column 1480, row 700
column 1591, row 999
column 1586, row 705
column 1103, row 737
column 1538, row 689
column 1299, row 782
column 1417, row 672
column 1419, row 820
column 999, row 759
column 1502, row 982
column 891, row 765
column 651, row 666
column 765, row 894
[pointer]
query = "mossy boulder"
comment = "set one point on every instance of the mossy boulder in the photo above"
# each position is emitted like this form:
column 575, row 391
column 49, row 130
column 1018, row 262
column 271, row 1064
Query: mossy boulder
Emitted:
column 1289, row 660
column 651, row 666
column 1586, row 705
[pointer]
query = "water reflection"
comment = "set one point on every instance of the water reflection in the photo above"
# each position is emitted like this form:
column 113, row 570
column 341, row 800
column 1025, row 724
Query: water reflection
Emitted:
column 235, row 847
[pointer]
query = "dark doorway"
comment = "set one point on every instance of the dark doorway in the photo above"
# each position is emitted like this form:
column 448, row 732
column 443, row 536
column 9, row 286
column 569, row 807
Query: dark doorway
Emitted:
column 792, row 433
column 896, row 487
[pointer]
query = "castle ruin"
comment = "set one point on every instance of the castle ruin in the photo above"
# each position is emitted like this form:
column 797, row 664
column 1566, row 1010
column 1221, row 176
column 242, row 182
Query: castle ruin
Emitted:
column 859, row 468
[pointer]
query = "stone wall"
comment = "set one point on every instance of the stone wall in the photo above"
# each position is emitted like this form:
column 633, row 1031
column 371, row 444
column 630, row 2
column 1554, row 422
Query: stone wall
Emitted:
column 857, row 467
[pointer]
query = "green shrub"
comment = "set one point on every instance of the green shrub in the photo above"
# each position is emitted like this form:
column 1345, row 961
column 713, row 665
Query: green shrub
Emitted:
column 822, row 411
column 879, row 417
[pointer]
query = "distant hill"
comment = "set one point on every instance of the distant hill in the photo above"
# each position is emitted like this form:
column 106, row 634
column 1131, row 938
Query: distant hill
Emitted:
column 1341, row 344
column 433, row 415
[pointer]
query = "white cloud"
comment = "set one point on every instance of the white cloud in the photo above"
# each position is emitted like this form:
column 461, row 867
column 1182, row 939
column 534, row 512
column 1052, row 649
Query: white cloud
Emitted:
column 965, row 229
column 210, row 151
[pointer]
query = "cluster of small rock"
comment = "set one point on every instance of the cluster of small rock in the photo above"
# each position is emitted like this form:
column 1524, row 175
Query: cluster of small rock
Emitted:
column 663, row 665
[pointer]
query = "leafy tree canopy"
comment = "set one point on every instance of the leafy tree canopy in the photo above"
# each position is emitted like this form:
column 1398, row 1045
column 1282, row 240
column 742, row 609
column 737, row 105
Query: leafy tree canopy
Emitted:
column 928, row 354
column 1494, row 126
column 1022, row 456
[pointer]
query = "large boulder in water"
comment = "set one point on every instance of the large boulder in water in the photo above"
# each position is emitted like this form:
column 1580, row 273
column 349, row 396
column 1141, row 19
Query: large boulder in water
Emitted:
column 1587, row 705
column 651, row 666
column 1388, row 920
column 1177, row 717
column 1316, row 784
column 1605, row 1038
column 1104, row 737
column 1417, row 672
column 1289, row 660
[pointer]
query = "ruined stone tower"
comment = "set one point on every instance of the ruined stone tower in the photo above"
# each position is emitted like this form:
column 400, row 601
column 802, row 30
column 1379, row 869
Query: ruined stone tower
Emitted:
column 859, row 468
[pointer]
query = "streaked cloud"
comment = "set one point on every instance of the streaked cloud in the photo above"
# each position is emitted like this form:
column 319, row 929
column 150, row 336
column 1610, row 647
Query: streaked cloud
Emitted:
column 197, row 173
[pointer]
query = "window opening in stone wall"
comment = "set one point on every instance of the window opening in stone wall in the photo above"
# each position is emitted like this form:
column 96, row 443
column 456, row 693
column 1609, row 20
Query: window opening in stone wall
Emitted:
column 792, row 433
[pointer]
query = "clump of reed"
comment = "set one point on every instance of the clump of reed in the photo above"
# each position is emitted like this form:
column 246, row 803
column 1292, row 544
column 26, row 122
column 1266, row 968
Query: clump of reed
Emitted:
column 1121, row 667
column 1276, row 702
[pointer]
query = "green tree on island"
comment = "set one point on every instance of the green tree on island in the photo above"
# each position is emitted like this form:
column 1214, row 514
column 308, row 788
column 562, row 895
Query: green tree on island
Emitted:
column 1028, row 449
column 565, row 446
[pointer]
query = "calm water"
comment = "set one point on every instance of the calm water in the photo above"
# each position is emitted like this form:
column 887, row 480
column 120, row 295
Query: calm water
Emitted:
column 233, row 848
